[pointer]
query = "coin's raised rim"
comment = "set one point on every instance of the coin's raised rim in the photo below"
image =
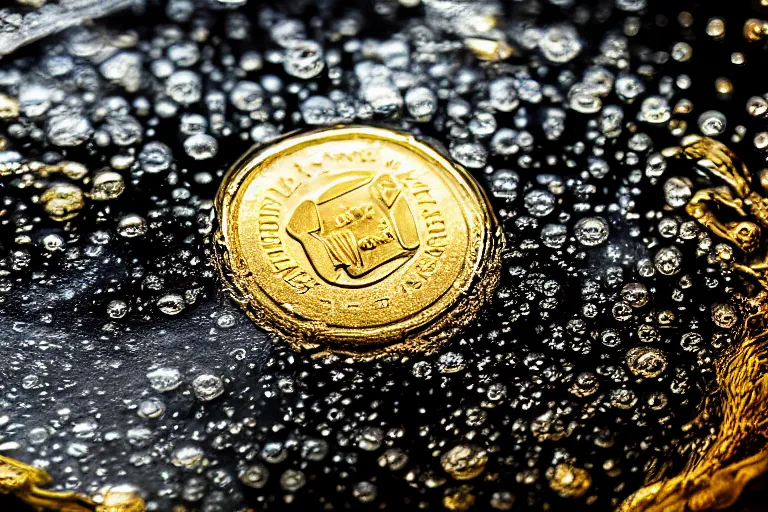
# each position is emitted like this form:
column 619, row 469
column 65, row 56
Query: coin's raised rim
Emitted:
column 422, row 332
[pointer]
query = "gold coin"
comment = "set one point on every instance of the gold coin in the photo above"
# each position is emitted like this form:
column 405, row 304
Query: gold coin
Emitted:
column 356, row 240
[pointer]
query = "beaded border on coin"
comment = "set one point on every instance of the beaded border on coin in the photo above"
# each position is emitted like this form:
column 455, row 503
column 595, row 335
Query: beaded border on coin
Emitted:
column 418, row 334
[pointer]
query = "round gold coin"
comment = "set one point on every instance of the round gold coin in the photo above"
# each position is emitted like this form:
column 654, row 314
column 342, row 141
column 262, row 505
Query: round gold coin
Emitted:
column 357, row 240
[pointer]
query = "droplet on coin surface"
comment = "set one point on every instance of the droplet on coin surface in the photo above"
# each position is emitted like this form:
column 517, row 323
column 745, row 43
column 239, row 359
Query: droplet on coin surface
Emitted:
column 357, row 240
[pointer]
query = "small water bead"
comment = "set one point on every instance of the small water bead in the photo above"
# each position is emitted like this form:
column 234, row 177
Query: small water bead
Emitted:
column 502, row 500
column 194, row 489
column 724, row 315
column 451, row 362
column 365, row 492
column 247, row 96
column 610, row 338
column 38, row 435
column 207, row 387
column 274, row 452
column 646, row 362
column 712, row 123
column 757, row 106
column 505, row 142
column 201, row 146
column 560, row 43
column 314, row 449
column 30, row 382
column 77, row 450
column 151, row 408
column 655, row 109
column 554, row 235
column 716, row 28
column 585, row 384
column 656, row 164
column 504, row 184
column 155, row 157
column 53, row 242
column 611, row 119
column 124, row 130
column 370, row 439
column 421, row 103
column 254, row 476
column 106, row 185
column 187, row 457
column 539, row 203
column 184, row 87
column 318, row 110
column 287, row 32
column 677, row 191
column 264, row 132
column 482, row 124
column 117, row 309
column 668, row 260
column 624, row 399
column 382, row 96
column 657, row 401
column 164, row 379
column 692, row 342
column 569, row 481
column 132, row 226
column 251, row 61
column 68, row 130
column 469, row 154
column 304, row 59
column 184, row 53
column 635, row 294
column 582, row 99
column 629, row 87
column 631, row 5
column 62, row 201
column 591, row 231
column 464, row 461
column 393, row 459
column 226, row 321
column 682, row 52
column 421, row 370
column 668, row 227
column 192, row 123
column 502, row 94
column 292, row 480
column 171, row 304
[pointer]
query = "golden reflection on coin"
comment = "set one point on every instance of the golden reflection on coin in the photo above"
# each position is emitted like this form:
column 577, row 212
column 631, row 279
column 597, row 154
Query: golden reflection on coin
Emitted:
column 357, row 240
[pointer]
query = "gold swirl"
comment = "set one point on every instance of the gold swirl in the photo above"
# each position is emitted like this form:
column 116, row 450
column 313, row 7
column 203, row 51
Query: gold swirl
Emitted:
column 729, row 459
column 26, row 483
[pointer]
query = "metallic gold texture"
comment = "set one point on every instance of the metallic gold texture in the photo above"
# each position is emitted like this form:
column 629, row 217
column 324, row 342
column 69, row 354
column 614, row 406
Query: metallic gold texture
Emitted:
column 737, row 453
column 27, row 482
column 357, row 240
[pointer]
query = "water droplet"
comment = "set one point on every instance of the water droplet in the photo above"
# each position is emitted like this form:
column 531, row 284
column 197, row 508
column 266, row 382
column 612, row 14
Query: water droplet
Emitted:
column 164, row 379
column 201, row 146
column 207, row 387
column 187, row 457
column 464, row 461
column 254, row 476
column 591, row 231
column 304, row 59
column 132, row 226
column 171, row 304
column 646, row 362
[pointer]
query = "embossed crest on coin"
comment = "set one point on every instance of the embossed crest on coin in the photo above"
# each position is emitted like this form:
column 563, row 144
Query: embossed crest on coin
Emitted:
column 356, row 240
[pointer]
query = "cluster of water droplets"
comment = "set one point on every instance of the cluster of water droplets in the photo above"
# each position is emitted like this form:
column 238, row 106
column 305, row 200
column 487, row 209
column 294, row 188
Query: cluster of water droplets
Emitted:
column 598, row 325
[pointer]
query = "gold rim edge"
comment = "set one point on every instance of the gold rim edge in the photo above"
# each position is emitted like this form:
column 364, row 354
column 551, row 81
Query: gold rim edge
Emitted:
column 429, row 331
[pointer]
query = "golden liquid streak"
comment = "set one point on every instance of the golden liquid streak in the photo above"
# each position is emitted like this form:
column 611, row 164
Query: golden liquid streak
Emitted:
column 26, row 483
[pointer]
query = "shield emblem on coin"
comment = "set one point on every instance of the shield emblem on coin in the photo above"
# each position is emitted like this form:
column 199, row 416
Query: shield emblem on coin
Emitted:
column 360, row 221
